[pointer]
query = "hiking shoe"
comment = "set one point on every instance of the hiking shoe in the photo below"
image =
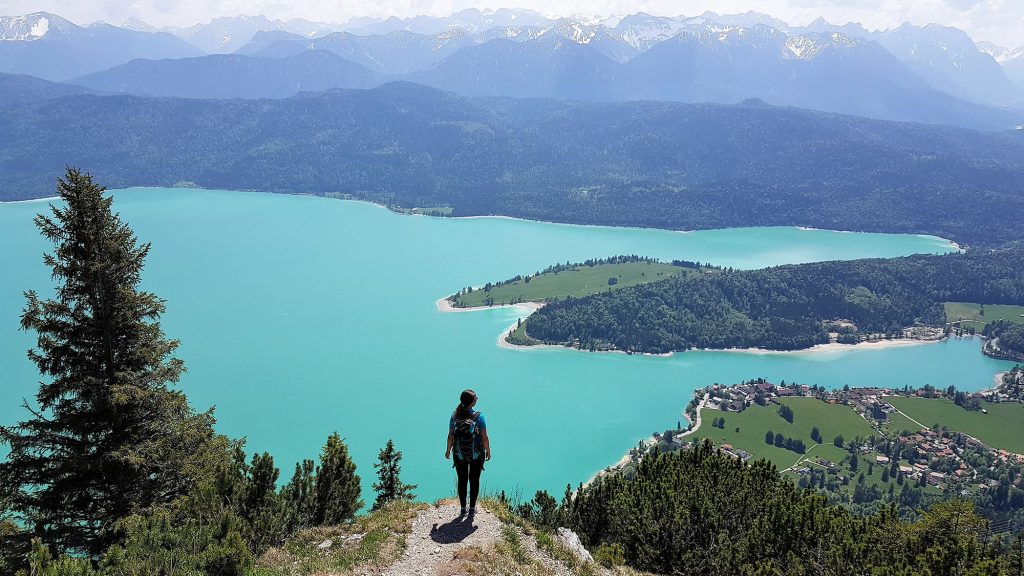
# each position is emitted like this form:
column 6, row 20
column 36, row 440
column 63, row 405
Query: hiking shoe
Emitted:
column 462, row 512
column 472, row 511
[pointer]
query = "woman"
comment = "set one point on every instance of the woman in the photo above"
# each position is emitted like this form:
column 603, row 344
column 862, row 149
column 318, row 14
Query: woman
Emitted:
column 467, row 435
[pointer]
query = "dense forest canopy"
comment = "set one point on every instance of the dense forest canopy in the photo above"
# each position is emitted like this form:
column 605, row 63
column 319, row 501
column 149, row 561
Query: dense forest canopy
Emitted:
column 784, row 307
column 700, row 512
column 652, row 164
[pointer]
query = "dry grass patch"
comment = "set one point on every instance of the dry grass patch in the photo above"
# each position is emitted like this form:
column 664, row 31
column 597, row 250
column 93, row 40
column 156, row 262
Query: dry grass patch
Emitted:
column 374, row 540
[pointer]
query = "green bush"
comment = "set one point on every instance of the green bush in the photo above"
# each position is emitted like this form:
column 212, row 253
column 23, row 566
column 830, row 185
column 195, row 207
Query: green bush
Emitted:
column 610, row 555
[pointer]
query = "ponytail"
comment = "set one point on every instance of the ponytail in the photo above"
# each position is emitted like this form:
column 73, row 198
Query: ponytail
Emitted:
column 466, row 400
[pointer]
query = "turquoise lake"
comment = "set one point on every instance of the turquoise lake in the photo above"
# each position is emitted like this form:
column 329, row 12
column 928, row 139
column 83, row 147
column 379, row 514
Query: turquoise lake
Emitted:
column 299, row 316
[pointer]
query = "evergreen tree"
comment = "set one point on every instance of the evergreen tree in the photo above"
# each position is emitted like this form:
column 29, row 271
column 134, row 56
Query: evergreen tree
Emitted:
column 337, row 485
column 108, row 437
column 299, row 496
column 390, row 487
column 263, row 508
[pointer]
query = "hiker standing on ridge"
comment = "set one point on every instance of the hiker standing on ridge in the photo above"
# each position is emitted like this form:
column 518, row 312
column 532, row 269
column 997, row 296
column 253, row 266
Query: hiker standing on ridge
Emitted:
column 467, row 434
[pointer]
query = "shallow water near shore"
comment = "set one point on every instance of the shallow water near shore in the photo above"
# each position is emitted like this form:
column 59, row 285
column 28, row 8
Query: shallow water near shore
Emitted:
column 299, row 316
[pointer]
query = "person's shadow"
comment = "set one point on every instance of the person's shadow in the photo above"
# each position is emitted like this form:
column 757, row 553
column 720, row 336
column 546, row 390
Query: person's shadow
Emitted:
column 455, row 530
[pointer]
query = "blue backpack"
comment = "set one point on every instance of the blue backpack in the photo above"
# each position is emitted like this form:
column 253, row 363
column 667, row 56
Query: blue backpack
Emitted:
column 467, row 432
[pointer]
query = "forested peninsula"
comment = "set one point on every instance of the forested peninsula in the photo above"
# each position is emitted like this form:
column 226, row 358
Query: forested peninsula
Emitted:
column 783, row 308
column 647, row 164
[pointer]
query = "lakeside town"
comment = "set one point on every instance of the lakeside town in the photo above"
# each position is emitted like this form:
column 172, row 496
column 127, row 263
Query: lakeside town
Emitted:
column 889, row 456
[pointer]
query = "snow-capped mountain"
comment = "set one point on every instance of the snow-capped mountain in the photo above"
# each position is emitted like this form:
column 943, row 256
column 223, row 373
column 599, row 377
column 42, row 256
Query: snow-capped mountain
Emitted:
column 822, row 26
column 949, row 60
column 311, row 29
column 907, row 73
column 745, row 20
column 227, row 34
column 33, row 27
column 641, row 31
column 1000, row 54
column 47, row 46
column 471, row 20
column 597, row 37
column 393, row 53
column 138, row 26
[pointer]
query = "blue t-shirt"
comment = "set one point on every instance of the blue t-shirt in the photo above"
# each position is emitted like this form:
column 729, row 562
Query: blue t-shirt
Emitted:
column 481, row 424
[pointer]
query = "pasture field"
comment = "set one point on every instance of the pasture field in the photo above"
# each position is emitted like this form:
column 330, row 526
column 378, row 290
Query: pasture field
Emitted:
column 577, row 282
column 1002, row 427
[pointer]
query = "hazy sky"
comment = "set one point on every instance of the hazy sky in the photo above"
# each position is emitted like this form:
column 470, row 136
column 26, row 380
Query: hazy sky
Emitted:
column 1000, row 21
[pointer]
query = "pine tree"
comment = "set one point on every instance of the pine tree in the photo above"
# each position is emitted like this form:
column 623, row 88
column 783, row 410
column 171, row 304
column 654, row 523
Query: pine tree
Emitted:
column 107, row 437
column 337, row 485
column 299, row 496
column 390, row 487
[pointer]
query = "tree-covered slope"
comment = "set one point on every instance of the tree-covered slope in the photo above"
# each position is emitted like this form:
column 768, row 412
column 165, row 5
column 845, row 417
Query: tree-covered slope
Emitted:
column 700, row 512
column 667, row 165
column 22, row 89
column 232, row 76
column 784, row 307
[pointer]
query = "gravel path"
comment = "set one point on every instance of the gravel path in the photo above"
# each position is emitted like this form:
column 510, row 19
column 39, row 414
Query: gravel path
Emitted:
column 437, row 533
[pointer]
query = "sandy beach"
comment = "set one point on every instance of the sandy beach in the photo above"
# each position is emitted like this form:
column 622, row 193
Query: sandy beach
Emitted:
column 832, row 347
column 443, row 305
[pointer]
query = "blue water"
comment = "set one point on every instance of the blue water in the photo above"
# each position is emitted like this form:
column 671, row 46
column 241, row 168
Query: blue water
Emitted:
column 299, row 316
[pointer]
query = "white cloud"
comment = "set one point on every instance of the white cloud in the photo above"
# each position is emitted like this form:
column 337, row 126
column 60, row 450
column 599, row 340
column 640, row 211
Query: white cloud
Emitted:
column 1000, row 21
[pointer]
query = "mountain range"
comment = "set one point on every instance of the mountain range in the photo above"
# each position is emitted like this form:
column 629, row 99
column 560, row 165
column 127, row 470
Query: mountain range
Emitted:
column 47, row 46
column 930, row 74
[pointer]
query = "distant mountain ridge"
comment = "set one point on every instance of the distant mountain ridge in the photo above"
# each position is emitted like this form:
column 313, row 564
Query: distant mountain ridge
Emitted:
column 49, row 47
column 950, row 61
column 928, row 74
column 232, row 76
column 655, row 164
column 23, row 89
column 821, row 71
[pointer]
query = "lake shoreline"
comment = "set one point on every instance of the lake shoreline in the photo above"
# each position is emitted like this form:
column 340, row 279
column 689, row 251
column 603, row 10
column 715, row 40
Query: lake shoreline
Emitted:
column 328, row 196
column 445, row 306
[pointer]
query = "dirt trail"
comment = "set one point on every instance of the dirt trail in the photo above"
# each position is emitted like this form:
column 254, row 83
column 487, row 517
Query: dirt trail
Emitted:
column 437, row 533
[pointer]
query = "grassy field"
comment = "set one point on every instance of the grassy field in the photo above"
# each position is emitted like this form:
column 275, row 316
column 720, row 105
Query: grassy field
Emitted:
column 1002, row 427
column 576, row 282
column 970, row 314
column 898, row 423
column 831, row 420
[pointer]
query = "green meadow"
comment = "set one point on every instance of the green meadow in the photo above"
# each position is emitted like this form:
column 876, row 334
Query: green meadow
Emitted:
column 831, row 420
column 578, row 281
column 1002, row 427
column 972, row 314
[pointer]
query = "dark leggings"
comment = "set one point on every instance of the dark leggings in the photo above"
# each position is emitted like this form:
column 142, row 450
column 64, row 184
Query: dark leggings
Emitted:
column 469, row 472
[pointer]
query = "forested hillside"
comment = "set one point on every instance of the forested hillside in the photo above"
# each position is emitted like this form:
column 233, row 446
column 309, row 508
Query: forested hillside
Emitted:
column 698, row 512
column 666, row 165
column 782, row 308
column 21, row 89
